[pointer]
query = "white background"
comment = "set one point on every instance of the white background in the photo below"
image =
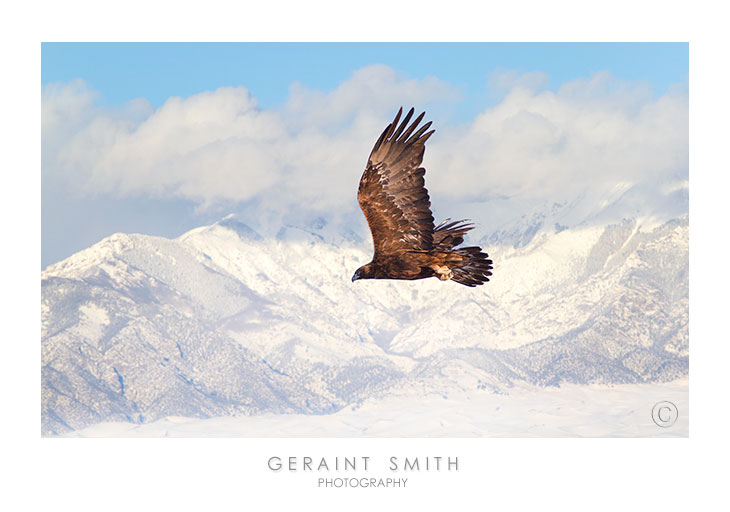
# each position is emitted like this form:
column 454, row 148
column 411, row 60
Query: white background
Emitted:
column 200, row 474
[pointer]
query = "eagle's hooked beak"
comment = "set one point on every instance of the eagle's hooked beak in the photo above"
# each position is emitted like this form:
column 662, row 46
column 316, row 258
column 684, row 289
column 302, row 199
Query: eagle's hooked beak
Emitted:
column 355, row 277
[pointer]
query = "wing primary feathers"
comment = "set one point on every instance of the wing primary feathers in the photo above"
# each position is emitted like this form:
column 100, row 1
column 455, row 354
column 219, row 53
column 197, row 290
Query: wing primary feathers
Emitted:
column 403, row 124
column 413, row 126
column 392, row 126
column 420, row 132
column 381, row 139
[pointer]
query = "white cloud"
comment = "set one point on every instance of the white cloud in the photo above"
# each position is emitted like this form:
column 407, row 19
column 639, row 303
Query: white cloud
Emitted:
column 370, row 91
column 503, row 81
column 591, row 133
column 219, row 147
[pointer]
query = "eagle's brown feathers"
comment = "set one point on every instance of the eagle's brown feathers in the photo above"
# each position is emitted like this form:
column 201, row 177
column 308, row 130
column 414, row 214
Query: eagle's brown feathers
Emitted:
column 392, row 193
column 394, row 199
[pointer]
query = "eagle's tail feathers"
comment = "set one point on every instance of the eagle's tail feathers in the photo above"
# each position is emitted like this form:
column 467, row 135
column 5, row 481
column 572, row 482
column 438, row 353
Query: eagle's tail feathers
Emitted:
column 475, row 271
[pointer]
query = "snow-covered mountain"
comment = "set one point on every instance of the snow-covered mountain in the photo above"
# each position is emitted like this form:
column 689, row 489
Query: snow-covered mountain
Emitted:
column 225, row 321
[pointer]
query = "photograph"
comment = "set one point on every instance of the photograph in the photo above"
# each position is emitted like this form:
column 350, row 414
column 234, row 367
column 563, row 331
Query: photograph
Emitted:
column 364, row 240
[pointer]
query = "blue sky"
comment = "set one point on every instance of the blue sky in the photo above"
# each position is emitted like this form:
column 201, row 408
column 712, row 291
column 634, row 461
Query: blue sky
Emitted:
column 90, row 189
column 125, row 71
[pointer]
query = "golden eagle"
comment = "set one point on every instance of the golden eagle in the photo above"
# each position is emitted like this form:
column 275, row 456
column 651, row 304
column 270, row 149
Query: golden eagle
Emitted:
column 396, row 205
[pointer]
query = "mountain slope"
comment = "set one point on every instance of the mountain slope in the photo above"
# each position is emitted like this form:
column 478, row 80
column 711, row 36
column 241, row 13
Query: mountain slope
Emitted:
column 224, row 321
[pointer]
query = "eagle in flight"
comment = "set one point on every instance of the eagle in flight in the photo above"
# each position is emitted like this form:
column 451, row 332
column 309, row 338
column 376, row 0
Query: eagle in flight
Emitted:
column 394, row 199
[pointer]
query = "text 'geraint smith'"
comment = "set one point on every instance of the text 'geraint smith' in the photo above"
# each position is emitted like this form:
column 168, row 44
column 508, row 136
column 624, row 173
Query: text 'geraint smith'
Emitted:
column 362, row 463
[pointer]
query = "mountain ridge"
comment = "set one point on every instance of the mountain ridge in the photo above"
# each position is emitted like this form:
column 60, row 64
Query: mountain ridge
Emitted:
column 223, row 320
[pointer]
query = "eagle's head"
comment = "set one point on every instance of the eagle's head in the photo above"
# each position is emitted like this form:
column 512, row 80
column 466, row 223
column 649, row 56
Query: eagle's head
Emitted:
column 364, row 272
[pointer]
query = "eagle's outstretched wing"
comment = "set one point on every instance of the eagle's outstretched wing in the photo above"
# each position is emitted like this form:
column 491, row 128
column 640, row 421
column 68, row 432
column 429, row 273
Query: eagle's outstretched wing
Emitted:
column 392, row 194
